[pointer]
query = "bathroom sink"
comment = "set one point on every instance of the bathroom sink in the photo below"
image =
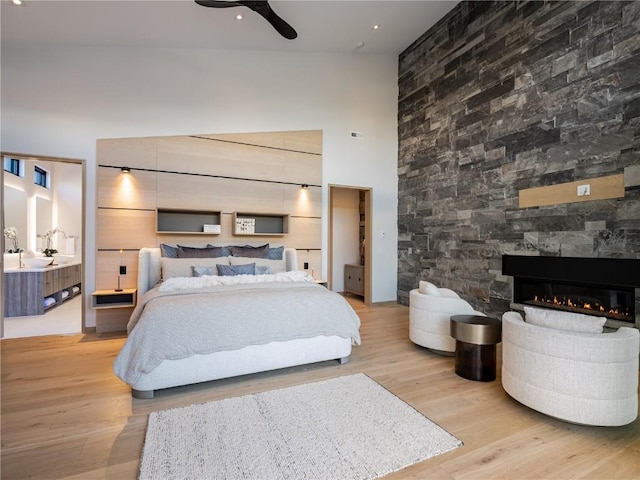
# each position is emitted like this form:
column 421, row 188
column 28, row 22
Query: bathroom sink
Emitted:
column 62, row 259
column 37, row 262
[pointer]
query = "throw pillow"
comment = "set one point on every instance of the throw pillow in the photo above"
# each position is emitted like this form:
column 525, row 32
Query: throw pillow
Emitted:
column 428, row 288
column 168, row 251
column 194, row 252
column 223, row 252
column 200, row 271
column 231, row 270
column 181, row 267
column 250, row 252
column 275, row 266
column 275, row 253
column 262, row 270
column 569, row 321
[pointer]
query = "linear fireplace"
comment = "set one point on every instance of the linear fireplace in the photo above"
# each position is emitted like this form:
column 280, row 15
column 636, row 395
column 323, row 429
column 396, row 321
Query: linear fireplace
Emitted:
column 595, row 286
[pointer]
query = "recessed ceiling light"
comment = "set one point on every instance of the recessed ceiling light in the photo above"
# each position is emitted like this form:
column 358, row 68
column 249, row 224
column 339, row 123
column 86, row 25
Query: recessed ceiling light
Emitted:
column 17, row 2
column 375, row 27
column 359, row 44
column 239, row 16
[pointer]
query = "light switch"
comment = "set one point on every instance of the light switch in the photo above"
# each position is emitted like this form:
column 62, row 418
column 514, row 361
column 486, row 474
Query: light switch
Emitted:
column 584, row 190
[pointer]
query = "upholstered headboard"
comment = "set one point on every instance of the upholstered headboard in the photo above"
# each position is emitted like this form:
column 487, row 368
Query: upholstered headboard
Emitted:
column 149, row 273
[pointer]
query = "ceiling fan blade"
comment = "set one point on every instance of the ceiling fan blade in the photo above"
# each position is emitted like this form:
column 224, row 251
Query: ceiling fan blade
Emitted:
column 217, row 3
column 282, row 27
column 263, row 8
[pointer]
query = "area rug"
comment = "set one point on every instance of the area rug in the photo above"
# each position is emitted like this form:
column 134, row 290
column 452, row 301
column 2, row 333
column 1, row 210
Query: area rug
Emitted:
column 347, row 427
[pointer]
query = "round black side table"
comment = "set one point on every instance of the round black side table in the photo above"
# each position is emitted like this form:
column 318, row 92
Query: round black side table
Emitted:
column 476, row 339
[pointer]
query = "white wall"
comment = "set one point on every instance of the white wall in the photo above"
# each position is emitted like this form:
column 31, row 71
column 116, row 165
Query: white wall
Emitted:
column 58, row 101
column 67, row 198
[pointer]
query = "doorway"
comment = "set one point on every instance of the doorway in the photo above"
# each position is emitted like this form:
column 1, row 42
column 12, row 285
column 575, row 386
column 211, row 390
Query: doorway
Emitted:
column 43, row 207
column 349, row 241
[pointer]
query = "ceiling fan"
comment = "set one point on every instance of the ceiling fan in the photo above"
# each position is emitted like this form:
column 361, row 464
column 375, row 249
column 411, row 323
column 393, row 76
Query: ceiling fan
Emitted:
column 261, row 7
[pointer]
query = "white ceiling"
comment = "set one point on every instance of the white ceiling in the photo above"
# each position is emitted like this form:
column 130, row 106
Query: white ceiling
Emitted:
column 322, row 25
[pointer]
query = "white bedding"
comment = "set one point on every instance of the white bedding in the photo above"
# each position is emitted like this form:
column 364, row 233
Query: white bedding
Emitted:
column 191, row 283
column 180, row 322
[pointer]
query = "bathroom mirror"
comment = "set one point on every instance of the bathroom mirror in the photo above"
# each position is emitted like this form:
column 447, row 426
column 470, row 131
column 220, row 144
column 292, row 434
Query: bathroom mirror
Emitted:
column 43, row 220
column 15, row 215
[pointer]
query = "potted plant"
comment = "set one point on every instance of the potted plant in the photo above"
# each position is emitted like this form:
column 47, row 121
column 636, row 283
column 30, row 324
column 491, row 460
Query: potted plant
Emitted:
column 12, row 235
column 49, row 251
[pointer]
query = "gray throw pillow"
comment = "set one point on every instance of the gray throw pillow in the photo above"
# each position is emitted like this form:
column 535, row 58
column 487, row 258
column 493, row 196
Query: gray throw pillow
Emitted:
column 194, row 252
column 249, row 251
column 231, row 270
column 275, row 253
column 223, row 252
column 200, row 271
column 262, row 270
column 168, row 251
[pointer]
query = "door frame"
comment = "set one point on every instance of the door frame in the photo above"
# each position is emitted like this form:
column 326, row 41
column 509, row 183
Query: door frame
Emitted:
column 368, row 257
column 47, row 158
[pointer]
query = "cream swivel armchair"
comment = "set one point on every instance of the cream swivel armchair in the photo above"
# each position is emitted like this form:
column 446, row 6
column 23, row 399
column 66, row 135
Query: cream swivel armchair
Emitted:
column 430, row 309
column 582, row 377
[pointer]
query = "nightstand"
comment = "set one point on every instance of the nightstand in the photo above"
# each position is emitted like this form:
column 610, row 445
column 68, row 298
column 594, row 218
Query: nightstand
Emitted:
column 114, row 299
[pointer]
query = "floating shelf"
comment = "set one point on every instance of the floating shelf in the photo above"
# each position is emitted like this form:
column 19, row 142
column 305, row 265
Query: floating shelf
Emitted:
column 176, row 221
column 263, row 224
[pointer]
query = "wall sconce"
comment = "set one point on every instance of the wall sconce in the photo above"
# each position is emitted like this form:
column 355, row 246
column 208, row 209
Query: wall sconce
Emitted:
column 125, row 169
column 304, row 186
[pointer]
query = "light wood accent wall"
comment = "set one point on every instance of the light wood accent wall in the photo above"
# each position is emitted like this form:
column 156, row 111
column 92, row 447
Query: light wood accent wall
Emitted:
column 601, row 189
column 248, row 172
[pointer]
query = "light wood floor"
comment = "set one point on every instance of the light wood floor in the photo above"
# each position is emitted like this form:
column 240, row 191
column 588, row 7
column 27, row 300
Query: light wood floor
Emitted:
column 65, row 415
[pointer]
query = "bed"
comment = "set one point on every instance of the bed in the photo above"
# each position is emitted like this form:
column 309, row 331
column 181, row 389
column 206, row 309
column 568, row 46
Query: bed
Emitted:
column 187, row 329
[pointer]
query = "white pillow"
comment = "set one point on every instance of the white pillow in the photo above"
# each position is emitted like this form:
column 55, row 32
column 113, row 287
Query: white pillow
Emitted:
column 275, row 266
column 181, row 267
column 572, row 322
column 429, row 288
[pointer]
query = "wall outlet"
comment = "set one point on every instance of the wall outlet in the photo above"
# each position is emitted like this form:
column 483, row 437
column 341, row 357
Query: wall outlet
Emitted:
column 306, row 266
column 123, row 269
column 584, row 190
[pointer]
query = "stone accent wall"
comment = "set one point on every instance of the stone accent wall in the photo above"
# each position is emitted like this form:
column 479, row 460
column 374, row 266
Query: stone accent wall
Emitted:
column 503, row 96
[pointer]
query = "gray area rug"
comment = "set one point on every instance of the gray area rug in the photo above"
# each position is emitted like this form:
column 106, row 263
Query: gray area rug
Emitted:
column 348, row 427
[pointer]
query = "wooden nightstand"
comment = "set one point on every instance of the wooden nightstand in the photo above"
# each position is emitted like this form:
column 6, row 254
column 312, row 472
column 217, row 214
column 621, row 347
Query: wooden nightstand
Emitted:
column 324, row 283
column 113, row 299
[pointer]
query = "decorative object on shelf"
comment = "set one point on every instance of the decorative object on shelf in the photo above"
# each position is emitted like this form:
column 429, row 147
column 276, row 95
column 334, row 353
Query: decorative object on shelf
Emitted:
column 49, row 251
column 245, row 225
column 12, row 234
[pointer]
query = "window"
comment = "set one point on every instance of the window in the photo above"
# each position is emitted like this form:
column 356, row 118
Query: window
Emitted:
column 41, row 177
column 12, row 165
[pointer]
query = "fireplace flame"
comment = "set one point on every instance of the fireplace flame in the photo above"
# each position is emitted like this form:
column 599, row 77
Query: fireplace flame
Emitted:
column 578, row 304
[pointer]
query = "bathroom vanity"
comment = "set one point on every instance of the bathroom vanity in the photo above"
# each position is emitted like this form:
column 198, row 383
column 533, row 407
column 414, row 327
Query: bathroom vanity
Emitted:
column 31, row 291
